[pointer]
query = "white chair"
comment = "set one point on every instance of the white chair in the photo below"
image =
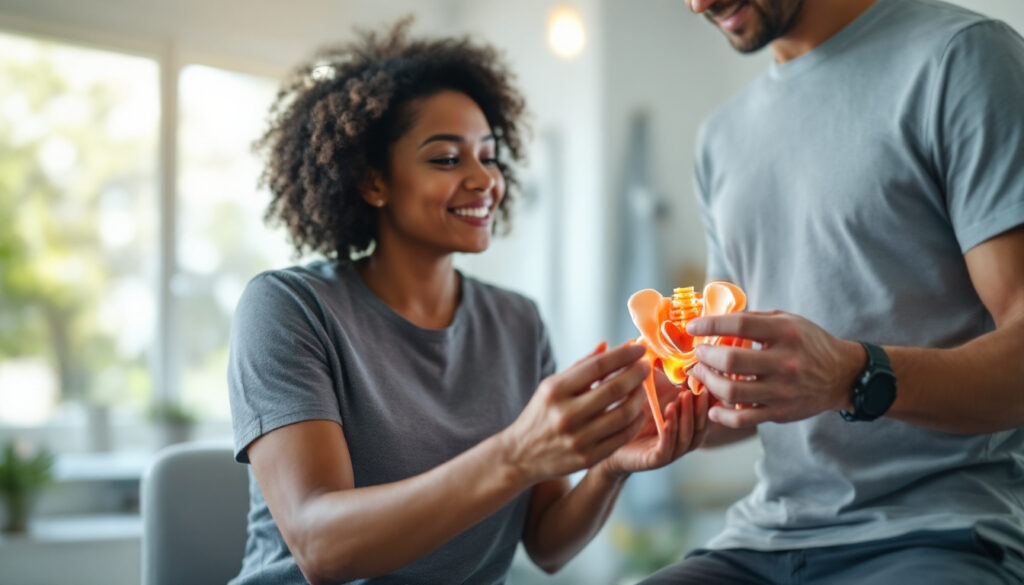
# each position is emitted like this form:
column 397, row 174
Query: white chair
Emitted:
column 194, row 500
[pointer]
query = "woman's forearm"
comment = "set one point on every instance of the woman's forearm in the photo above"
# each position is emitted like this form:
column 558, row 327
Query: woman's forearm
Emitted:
column 353, row 533
column 571, row 521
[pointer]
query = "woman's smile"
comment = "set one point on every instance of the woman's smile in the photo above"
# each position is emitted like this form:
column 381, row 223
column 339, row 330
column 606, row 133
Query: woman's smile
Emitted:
column 478, row 213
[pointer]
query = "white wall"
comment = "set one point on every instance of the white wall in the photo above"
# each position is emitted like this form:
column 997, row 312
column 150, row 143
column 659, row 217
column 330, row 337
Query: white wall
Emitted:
column 553, row 253
column 262, row 37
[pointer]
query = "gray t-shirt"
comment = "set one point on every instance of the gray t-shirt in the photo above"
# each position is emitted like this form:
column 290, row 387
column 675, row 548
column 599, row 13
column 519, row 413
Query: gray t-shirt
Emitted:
column 845, row 186
column 315, row 342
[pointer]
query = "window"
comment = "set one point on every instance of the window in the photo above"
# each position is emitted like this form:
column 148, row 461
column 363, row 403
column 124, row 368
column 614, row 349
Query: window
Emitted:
column 80, row 236
column 222, row 241
column 78, row 144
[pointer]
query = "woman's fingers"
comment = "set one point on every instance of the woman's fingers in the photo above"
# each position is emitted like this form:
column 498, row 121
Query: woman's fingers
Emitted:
column 612, row 421
column 685, row 417
column 667, row 391
column 607, row 393
column 609, row 444
column 579, row 377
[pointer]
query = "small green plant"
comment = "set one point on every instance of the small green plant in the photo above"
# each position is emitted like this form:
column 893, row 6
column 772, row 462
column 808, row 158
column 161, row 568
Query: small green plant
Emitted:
column 172, row 412
column 645, row 550
column 24, row 471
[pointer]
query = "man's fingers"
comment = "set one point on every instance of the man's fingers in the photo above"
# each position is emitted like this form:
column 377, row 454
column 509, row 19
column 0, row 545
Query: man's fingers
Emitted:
column 736, row 360
column 740, row 419
column 581, row 375
column 757, row 326
column 733, row 391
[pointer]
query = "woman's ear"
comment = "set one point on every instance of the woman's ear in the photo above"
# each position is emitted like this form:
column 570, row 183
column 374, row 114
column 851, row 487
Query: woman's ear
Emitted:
column 374, row 191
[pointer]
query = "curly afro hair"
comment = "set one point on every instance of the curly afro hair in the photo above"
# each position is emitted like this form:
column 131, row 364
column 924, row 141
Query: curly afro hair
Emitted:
column 337, row 115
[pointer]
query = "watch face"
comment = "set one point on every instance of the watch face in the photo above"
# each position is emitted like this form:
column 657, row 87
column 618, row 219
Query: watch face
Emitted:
column 879, row 393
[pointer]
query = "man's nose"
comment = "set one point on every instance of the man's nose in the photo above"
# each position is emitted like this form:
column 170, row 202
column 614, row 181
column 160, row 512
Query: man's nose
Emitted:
column 699, row 6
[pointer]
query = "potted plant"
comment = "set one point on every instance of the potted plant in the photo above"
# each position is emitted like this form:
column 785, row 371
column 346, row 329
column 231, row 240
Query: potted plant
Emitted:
column 174, row 420
column 24, row 471
column 645, row 549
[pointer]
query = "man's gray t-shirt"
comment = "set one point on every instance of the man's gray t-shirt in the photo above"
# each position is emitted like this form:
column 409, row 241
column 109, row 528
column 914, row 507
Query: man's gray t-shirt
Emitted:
column 315, row 343
column 846, row 186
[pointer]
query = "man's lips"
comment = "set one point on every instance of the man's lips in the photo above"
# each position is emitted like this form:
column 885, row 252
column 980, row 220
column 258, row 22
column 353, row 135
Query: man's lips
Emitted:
column 730, row 17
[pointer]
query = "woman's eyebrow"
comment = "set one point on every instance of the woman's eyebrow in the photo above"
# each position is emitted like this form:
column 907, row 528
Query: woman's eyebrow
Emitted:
column 451, row 138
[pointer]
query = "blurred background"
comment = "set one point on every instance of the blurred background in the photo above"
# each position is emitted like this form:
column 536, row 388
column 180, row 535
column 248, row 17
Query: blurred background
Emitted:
column 130, row 221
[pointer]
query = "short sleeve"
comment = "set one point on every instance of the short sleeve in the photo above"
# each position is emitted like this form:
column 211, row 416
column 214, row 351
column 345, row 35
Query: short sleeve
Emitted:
column 546, row 354
column 716, row 268
column 279, row 366
column 979, row 133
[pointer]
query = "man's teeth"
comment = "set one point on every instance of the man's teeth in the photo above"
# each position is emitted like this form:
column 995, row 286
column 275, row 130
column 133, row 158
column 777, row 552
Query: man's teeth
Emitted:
column 479, row 212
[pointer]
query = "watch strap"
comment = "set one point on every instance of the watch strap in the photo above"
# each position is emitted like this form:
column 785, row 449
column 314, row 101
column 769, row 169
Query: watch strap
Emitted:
column 878, row 361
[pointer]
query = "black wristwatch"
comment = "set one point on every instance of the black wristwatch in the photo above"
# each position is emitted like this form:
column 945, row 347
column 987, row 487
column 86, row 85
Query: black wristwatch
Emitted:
column 875, row 388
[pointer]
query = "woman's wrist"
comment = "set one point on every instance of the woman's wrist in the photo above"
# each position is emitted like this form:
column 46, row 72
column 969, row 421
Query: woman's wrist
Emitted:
column 607, row 473
column 515, row 469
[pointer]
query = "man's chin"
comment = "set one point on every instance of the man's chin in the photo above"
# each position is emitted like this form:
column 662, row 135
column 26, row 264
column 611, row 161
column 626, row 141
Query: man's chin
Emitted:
column 747, row 43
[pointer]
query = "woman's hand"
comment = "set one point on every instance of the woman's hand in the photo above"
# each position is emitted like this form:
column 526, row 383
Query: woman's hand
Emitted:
column 579, row 416
column 686, row 424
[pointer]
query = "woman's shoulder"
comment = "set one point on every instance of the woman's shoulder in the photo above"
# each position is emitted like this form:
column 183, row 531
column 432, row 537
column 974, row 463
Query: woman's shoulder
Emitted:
column 316, row 276
column 491, row 298
column 306, row 285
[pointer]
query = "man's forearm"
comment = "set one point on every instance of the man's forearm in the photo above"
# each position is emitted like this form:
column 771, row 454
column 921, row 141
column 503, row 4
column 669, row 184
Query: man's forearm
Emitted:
column 972, row 389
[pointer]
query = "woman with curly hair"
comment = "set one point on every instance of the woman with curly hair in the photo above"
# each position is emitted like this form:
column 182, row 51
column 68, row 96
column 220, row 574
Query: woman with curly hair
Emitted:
column 403, row 421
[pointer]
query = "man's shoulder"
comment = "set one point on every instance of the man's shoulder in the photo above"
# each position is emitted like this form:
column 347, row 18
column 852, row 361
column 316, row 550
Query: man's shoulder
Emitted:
column 937, row 20
column 928, row 26
column 937, row 16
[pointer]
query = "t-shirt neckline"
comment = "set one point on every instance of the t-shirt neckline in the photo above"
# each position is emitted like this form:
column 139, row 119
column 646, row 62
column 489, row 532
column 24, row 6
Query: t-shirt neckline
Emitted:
column 366, row 294
column 832, row 46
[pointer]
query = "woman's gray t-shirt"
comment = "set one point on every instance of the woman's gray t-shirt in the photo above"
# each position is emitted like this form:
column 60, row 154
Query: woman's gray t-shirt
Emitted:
column 315, row 343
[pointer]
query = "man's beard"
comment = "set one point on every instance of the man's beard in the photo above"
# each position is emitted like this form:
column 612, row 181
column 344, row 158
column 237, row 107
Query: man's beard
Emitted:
column 767, row 25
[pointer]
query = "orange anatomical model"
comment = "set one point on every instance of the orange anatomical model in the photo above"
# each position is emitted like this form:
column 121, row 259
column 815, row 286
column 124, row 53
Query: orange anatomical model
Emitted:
column 662, row 324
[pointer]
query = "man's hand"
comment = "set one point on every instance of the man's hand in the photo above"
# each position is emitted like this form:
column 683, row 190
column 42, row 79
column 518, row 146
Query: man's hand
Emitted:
column 800, row 371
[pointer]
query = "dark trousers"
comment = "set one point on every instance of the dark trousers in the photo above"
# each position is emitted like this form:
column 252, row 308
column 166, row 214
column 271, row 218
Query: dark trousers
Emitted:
column 920, row 558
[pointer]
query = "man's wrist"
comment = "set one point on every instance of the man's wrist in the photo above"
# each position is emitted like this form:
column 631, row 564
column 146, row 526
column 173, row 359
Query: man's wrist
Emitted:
column 855, row 359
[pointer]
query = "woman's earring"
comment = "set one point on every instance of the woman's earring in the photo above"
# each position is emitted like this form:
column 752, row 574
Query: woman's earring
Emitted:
column 379, row 203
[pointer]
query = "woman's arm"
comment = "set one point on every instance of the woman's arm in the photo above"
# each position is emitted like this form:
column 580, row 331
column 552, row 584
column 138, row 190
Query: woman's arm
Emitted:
column 337, row 532
column 562, row 521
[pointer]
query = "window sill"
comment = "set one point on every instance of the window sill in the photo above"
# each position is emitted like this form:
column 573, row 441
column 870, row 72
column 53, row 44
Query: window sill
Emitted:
column 78, row 529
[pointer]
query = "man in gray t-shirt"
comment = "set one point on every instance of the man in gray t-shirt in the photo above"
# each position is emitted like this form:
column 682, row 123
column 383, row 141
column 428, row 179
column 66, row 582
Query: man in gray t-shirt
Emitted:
column 870, row 188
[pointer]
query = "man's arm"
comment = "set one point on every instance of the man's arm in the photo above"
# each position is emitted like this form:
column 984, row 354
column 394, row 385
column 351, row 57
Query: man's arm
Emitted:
column 979, row 386
column 975, row 388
